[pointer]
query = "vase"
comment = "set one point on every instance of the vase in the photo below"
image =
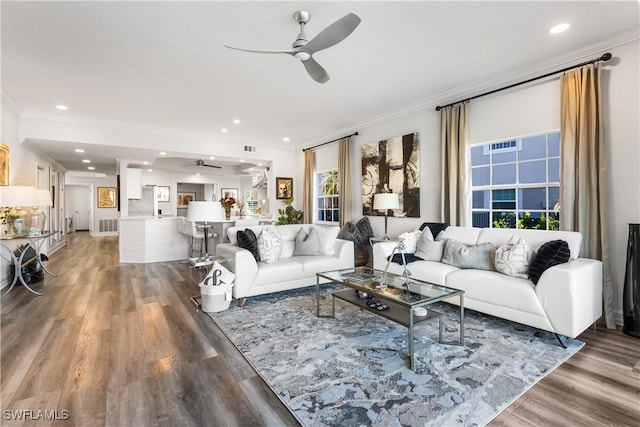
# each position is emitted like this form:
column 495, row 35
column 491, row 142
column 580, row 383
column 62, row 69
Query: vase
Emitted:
column 227, row 213
column 631, row 292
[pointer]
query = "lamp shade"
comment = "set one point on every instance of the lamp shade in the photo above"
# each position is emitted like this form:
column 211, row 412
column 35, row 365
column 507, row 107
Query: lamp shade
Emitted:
column 18, row 195
column 382, row 201
column 199, row 211
column 44, row 198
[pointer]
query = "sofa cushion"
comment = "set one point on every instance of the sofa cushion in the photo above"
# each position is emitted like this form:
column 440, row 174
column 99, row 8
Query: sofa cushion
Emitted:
column 269, row 245
column 247, row 240
column 551, row 253
column 466, row 235
column 427, row 248
column 327, row 236
column 315, row 264
column 427, row 271
column 535, row 238
column 284, row 269
column 307, row 243
column 513, row 258
column 458, row 254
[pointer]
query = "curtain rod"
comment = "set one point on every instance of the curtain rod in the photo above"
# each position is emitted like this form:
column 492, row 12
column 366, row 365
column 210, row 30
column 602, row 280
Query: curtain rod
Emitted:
column 329, row 142
column 605, row 57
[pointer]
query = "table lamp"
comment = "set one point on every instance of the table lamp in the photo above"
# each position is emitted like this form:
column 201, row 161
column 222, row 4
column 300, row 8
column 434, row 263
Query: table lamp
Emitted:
column 384, row 202
column 18, row 197
column 205, row 213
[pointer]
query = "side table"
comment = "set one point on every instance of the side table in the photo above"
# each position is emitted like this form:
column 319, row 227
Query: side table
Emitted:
column 18, row 262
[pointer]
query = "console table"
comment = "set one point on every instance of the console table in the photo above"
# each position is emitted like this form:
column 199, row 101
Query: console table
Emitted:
column 36, row 243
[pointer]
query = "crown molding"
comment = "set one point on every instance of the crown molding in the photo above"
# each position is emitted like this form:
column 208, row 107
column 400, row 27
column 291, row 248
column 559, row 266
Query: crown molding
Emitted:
column 9, row 102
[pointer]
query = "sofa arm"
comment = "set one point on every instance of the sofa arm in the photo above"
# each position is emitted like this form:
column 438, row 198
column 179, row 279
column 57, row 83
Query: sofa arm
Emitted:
column 571, row 295
column 242, row 263
column 343, row 250
column 381, row 252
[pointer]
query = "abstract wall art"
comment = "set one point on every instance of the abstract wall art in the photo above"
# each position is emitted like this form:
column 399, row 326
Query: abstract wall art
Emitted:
column 393, row 164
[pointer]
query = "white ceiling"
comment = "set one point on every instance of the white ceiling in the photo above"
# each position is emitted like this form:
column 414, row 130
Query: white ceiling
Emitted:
column 162, row 64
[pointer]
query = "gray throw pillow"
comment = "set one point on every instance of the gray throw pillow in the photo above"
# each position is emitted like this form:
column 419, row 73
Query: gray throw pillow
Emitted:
column 480, row 257
column 307, row 244
column 427, row 248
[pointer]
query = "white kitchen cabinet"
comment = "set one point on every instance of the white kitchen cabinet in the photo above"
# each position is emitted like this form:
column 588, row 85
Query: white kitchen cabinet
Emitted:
column 134, row 183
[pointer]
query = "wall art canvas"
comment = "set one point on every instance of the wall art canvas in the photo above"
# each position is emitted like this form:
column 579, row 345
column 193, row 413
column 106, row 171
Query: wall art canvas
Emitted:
column 4, row 164
column 393, row 164
column 106, row 197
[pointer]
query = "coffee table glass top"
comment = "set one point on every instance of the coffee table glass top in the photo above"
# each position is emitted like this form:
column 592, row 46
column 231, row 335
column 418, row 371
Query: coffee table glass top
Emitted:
column 369, row 280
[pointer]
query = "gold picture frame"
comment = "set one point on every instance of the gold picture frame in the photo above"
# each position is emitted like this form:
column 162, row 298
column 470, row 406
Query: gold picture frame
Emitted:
column 284, row 188
column 107, row 197
column 4, row 164
column 185, row 198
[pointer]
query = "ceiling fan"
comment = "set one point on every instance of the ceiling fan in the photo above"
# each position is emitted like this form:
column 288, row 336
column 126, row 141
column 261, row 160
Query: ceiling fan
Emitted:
column 303, row 49
column 201, row 163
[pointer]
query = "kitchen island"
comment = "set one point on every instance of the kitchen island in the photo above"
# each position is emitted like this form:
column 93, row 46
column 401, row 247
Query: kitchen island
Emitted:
column 149, row 239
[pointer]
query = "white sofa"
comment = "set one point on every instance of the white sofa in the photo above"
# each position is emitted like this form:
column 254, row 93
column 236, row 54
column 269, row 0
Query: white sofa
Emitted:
column 566, row 300
column 288, row 272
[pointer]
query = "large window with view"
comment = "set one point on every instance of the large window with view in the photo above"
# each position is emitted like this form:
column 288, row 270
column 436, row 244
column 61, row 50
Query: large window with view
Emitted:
column 516, row 183
column 326, row 189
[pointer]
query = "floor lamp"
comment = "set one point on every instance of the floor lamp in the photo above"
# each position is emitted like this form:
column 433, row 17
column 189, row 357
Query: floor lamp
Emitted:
column 205, row 213
column 384, row 202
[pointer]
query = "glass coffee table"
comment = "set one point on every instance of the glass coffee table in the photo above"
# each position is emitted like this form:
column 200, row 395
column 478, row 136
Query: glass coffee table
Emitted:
column 401, row 299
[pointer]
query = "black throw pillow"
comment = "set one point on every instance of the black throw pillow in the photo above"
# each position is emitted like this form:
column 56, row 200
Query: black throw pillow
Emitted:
column 247, row 240
column 551, row 253
column 435, row 227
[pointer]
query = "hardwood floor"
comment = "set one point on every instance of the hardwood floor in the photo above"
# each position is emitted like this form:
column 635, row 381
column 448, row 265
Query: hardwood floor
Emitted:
column 121, row 344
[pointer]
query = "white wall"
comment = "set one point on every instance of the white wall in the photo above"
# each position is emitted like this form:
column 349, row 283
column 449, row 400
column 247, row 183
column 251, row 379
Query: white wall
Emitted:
column 93, row 183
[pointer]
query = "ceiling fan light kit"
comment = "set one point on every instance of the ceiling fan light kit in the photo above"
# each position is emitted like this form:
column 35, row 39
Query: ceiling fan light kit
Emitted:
column 303, row 49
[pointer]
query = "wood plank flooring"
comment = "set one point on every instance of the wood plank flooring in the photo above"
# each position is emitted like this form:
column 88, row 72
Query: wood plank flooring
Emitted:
column 122, row 345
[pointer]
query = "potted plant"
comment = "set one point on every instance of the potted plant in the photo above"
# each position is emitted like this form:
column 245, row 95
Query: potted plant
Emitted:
column 289, row 215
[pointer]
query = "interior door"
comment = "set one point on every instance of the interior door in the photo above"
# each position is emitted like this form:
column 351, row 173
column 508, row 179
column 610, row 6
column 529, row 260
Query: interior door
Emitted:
column 82, row 208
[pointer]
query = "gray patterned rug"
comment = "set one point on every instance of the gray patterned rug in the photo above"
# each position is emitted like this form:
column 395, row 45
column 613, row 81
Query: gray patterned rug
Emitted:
column 352, row 370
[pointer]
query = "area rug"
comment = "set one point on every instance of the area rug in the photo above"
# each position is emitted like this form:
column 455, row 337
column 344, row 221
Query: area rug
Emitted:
column 352, row 370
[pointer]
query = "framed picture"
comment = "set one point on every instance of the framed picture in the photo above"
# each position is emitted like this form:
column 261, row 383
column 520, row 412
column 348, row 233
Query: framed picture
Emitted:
column 225, row 193
column 162, row 193
column 4, row 164
column 284, row 188
column 107, row 197
column 185, row 198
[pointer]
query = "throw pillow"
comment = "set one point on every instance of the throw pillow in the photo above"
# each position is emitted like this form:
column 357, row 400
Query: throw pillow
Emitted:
column 327, row 237
column 269, row 245
column 247, row 240
column 350, row 232
column 427, row 248
column 410, row 241
column 307, row 244
column 435, row 227
column 513, row 258
column 364, row 227
column 480, row 257
column 551, row 253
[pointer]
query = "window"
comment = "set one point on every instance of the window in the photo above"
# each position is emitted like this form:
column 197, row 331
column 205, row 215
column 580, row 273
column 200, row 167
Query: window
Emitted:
column 516, row 183
column 326, row 189
column 251, row 203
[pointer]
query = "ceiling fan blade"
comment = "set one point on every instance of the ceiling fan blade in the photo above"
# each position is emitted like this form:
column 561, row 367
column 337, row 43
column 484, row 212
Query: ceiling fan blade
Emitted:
column 289, row 51
column 316, row 71
column 213, row 166
column 334, row 33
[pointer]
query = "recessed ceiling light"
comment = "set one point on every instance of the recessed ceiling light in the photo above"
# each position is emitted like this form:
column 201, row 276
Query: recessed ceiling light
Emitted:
column 79, row 150
column 150, row 170
column 223, row 130
column 86, row 161
column 91, row 168
column 145, row 163
column 285, row 139
column 250, row 169
column 162, row 153
column 242, row 160
column 62, row 107
column 560, row 28
column 198, row 174
column 212, row 158
column 236, row 121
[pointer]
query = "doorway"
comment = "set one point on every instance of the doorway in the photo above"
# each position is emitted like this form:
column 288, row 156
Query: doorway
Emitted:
column 81, row 218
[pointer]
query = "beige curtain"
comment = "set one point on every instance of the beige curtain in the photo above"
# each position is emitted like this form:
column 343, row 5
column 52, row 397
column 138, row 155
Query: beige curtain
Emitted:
column 584, row 170
column 455, row 172
column 307, row 190
column 344, row 180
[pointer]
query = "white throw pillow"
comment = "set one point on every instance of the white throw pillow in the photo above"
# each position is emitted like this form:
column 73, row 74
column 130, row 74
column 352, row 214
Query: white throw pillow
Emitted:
column 410, row 240
column 327, row 236
column 513, row 258
column 269, row 245
column 427, row 248
column 307, row 244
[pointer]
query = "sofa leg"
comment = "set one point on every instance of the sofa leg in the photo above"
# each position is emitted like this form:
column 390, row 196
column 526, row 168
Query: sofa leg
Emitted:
column 560, row 340
column 243, row 302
